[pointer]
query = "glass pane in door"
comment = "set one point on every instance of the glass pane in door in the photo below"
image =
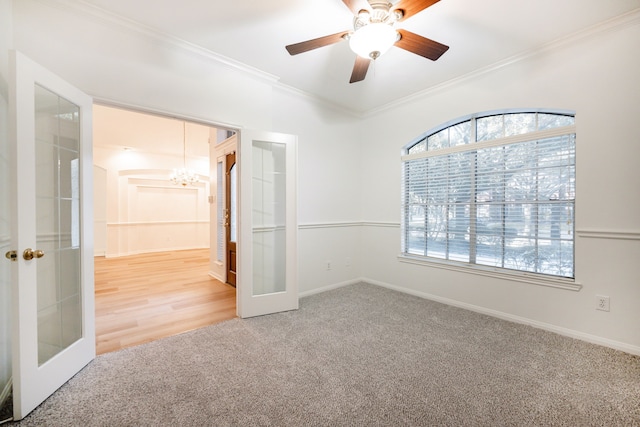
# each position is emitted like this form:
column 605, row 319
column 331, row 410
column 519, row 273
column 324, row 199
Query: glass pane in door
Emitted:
column 5, row 246
column 268, row 217
column 57, row 223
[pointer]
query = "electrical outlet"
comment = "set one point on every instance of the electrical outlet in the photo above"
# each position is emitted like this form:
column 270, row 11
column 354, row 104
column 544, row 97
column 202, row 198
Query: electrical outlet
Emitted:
column 328, row 265
column 602, row 303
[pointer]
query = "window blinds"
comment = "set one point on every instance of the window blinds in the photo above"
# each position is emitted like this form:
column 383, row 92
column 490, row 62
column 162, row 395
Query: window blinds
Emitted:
column 507, row 203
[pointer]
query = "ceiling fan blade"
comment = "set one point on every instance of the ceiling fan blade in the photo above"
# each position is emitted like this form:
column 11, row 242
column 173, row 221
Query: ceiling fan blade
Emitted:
column 308, row 45
column 419, row 45
column 356, row 6
column 360, row 69
column 411, row 7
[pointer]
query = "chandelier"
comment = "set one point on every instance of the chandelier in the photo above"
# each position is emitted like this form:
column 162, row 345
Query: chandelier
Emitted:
column 183, row 176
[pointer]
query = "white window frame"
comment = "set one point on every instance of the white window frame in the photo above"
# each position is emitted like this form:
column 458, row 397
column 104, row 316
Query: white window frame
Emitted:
column 499, row 272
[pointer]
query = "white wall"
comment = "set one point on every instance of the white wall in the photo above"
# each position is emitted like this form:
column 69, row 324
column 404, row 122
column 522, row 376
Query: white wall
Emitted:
column 598, row 78
column 128, row 66
column 99, row 211
column 5, row 225
column 329, row 193
column 138, row 210
column 349, row 183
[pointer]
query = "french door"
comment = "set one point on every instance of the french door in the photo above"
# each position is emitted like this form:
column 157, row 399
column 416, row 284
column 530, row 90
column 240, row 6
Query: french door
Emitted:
column 267, row 245
column 52, row 255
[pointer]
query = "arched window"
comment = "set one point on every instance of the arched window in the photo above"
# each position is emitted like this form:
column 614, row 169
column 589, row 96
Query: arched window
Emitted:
column 494, row 190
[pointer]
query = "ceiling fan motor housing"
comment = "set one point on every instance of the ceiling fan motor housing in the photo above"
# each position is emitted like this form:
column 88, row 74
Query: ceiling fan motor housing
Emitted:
column 380, row 13
column 374, row 33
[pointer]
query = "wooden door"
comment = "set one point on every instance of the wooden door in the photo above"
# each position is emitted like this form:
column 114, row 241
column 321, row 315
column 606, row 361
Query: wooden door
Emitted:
column 231, row 230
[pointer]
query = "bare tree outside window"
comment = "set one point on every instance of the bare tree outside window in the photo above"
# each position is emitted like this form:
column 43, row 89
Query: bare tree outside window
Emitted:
column 497, row 191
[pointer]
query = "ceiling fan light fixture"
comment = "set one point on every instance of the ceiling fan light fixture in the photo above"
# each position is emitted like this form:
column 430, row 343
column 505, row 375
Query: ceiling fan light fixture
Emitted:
column 373, row 40
column 364, row 16
column 374, row 33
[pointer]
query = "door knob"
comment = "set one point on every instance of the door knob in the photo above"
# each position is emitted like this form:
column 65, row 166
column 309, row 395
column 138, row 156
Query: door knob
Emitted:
column 29, row 254
column 12, row 255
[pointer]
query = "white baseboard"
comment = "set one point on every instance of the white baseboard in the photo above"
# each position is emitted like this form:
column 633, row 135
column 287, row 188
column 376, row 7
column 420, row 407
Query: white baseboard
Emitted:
column 593, row 339
column 217, row 276
column 152, row 251
column 329, row 287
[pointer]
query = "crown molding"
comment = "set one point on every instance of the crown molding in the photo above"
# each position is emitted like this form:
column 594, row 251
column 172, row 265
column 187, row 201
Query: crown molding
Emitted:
column 319, row 100
column 122, row 23
column 614, row 24
column 119, row 22
column 114, row 20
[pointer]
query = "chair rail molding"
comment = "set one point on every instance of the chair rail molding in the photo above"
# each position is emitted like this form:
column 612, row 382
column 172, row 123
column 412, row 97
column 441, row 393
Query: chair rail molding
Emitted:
column 608, row 234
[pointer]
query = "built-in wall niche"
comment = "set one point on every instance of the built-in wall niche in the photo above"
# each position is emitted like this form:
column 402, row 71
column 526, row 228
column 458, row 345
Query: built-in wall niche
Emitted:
column 158, row 216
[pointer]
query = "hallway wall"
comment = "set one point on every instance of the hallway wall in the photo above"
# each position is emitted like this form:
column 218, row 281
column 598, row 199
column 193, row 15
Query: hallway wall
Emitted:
column 137, row 208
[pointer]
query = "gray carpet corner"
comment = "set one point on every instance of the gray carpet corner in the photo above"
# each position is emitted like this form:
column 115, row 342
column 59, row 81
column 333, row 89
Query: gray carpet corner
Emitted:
column 355, row 356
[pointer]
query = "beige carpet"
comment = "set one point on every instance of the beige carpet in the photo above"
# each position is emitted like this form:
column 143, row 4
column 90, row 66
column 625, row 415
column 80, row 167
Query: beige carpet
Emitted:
column 357, row 356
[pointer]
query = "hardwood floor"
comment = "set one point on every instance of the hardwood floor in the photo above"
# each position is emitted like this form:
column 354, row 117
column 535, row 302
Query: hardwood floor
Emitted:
column 144, row 297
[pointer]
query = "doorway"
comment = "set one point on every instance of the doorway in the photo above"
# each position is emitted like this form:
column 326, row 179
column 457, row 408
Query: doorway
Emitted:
column 156, row 265
column 263, row 295
column 141, row 298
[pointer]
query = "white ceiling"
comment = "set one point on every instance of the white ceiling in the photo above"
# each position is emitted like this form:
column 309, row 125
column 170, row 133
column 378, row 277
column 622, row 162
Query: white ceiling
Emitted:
column 480, row 34
column 117, row 129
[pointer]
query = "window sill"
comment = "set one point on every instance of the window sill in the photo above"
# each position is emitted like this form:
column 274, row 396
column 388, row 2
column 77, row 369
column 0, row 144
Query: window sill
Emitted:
column 531, row 278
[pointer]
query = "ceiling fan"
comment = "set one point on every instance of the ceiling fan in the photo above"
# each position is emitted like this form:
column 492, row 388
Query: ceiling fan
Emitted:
column 374, row 33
